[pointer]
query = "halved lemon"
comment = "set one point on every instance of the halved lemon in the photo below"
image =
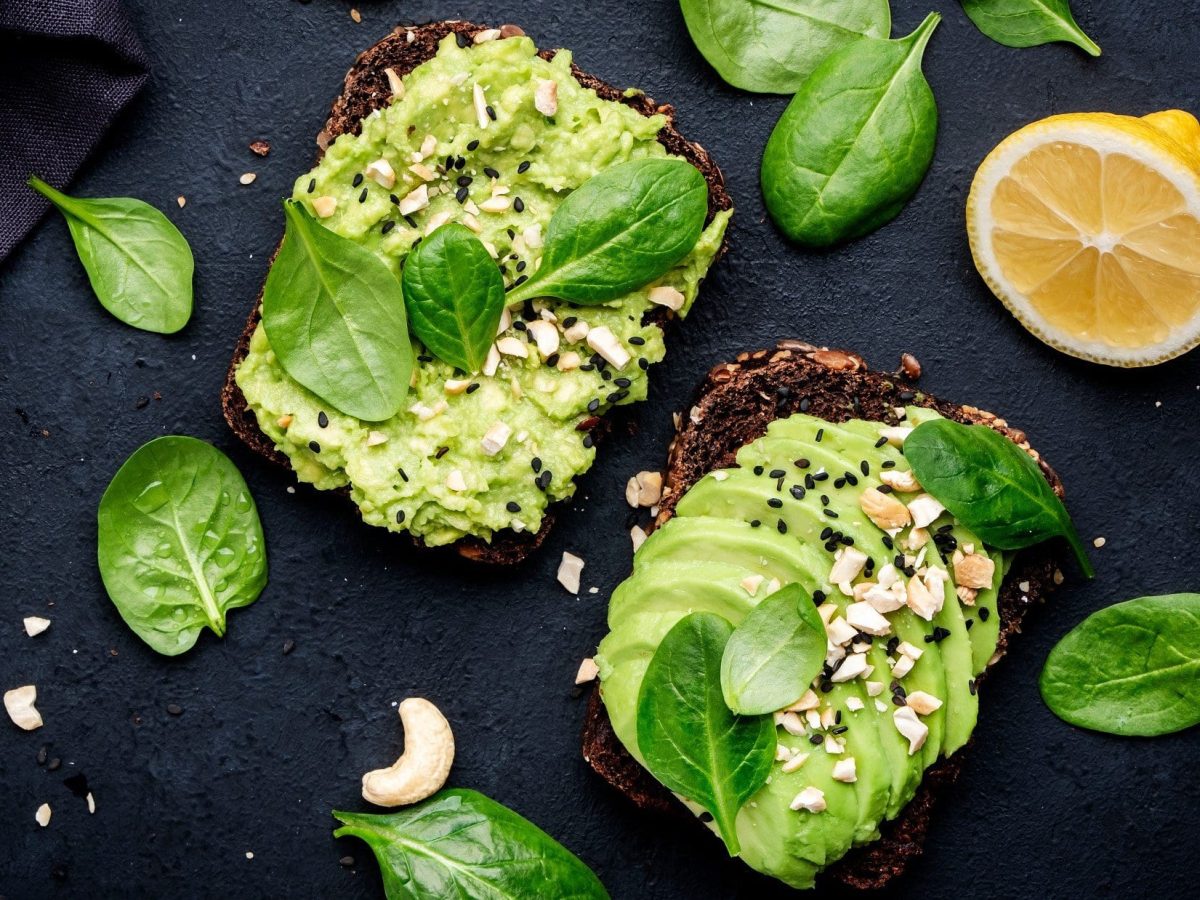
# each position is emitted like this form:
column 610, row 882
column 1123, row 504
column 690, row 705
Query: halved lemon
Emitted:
column 1087, row 227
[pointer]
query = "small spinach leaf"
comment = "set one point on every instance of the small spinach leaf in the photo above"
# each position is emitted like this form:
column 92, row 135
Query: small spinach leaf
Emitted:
column 690, row 740
column 454, row 296
column 334, row 314
column 774, row 653
column 459, row 843
column 773, row 47
column 854, row 143
column 620, row 230
column 1130, row 669
column 990, row 485
column 1028, row 23
column 179, row 542
column 139, row 265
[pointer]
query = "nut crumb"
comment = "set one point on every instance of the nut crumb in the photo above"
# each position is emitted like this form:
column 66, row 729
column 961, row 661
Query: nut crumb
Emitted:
column 247, row 178
column 356, row 16
column 43, row 815
column 588, row 670
column 181, row 200
column 1099, row 542
column 260, row 148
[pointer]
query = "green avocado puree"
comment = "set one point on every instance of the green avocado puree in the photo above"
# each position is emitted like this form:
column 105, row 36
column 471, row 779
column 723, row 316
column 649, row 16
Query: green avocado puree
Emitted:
column 427, row 470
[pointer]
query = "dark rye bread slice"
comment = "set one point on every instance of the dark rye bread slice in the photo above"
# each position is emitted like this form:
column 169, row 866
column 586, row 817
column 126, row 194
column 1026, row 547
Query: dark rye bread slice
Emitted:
column 366, row 89
column 745, row 397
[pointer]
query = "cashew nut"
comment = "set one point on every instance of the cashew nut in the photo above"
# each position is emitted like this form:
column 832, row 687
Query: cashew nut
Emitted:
column 19, row 703
column 425, row 764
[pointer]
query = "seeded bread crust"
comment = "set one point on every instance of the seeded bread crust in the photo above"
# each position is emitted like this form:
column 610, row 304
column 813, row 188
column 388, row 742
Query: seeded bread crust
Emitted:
column 366, row 89
column 745, row 397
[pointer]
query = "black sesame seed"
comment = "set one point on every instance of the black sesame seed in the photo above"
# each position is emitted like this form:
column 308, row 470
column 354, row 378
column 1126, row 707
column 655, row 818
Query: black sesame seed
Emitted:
column 884, row 489
column 535, row 464
column 473, row 146
column 830, row 513
column 450, row 162
column 820, row 434
column 519, row 325
column 879, row 443
column 425, row 358
column 521, row 280
column 826, row 532
column 984, row 614
column 888, row 542
column 851, row 479
column 523, row 167
column 387, row 226
column 815, row 739
column 174, row 709
column 802, row 463
column 403, row 474
column 588, row 442
column 472, row 387
column 312, row 185
column 797, row 492
column 593, row 405
column 519, row 205
column 460, row 163
column 399, row 517
column 394, row 199
column 841, row 729
column 412, row 223
column 513, row 506
column 635, row 340
column 775, row 503
column 463, row 180
column 521, row 268
column 888, row 464
column 358, row 179
column 777, row 473
column 314, row 446
column 804, row 404
column 809, row 483
column 782, row 526
column 491, row 113
column 461, row 195
column 543, row 480
column 969, row 623
column 758, row 470
column 490, row 172
column 899, row 700
column 643, row 362
column 461, row 39
column 824, row 499
column 362, row 198
column 972, row 687
column 441, row 451
column 818, row 597
column 755, row 523
column 906, row 395
column 623, row 382
column 839, row 483
column 322, row 419
column 820, row 476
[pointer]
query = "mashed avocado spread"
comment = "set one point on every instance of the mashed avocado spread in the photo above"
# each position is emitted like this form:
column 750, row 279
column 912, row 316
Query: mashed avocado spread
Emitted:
column 908, row 597
column 465, row 141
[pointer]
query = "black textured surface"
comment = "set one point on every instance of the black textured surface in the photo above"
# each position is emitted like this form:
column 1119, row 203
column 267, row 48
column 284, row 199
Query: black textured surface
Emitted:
column 268, row 743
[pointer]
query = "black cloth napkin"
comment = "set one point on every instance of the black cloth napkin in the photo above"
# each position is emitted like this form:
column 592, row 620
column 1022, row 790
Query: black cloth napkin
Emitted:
column 67, row 67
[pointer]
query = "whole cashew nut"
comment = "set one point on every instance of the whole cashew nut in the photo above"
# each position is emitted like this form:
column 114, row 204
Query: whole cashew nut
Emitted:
column 425, row 764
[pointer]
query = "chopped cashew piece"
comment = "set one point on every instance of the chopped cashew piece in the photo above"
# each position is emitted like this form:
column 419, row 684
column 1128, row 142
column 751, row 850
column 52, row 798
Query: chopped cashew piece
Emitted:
column 907, row 723
column 545, row 97
column 497, row 204
column 324, row 207
column 975, row 571
column 751, row 584
column 874, row 688
column 884, row 510
column 924, row 703
column 854, row 665
column 849, row 563
column 488, row 34
column 381, row 172
column 811, row 798
column 588, row 670
column 394, row 83
column 854, row 704
column 492, row 363
column 921, row 601
column 414, row 200
column 905, row 482
column 569, row 571
column 569, row 361
column 425, row 764
column 35, row 625
column 455, row 480
column 903, row 666
column 375, row 438
column 808, row 700
column 436, row 221
column 545, row 335
column 604, row 342
column 42, row 816
column 576, row 332
column 638, row 535
column 925, row 510
column 665, row 295
column 644, row 489
column 895, row 436
column 845, row 770
column 839, row 631
column 511, row 346
column 457, row 385
column 481, row 104
column 91, row 802
column 19, row 703
column 794, row 762
column 495, row 438
column 863, row 617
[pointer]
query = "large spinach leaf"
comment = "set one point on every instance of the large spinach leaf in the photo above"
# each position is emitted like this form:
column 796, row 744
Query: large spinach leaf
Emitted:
column 620, row 230
column 854, row 143
column 773, row 46
column 179, row 542
column 688, row 737
column 774, row 653
column 334, row 314
column 990, row 485
column 454, row 296
column 460, row 843
column 1130, row 669
column 1028, row 23
column 139, row 264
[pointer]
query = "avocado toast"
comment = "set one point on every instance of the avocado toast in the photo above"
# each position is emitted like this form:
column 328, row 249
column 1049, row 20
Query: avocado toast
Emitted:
column 417, row 100
column 773, row 496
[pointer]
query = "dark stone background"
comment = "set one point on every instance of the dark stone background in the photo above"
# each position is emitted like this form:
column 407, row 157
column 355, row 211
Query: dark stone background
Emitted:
column 268, row 744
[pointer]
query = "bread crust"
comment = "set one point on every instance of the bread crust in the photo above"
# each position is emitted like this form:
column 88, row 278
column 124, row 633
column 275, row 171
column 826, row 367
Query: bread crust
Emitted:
column 745, row 397
column 365, row 90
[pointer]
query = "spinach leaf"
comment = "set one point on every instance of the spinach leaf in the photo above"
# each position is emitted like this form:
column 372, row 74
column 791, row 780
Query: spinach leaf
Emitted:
column 1130, row 669
column 1028, row 23
column 454, row 296
column 334, row 314
column 620, row 230
column 772, row 47
column 139, row 264
column 774, row 654
column 690, row 740
column 854, row 143
column 459, row 843
column 990, row 485
column 179, row 542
